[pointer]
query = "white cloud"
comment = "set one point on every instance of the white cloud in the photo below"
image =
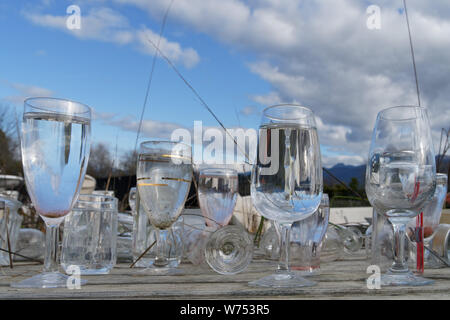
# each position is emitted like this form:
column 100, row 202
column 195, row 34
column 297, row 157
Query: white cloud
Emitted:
column 172, row 50
column 321, row 54
column 24, row 91
column 105, row 24
column 149, row 129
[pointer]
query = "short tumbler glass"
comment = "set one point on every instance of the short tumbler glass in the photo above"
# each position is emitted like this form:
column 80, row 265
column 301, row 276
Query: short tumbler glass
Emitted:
column 90, row 235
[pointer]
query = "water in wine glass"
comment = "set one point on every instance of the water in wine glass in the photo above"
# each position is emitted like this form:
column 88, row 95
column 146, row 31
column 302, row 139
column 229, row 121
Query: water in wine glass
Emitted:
column 217, row 195
column 163, row 187
column 401, row 180
column 295, row 190
column 54, row 150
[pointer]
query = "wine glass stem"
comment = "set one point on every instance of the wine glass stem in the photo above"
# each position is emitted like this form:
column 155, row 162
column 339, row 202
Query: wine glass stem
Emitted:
column 399, row 226
column 51, row 248
column 285, row 234
column 161, row 258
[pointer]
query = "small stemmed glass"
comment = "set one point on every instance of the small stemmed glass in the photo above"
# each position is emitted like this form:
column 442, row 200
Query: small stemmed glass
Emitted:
column 164, row 173
column 55, row 143
column 401, row 178
column 229, row 249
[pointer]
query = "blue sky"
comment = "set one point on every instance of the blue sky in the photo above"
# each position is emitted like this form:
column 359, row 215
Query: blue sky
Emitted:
column 239, row 55
column 112, row 78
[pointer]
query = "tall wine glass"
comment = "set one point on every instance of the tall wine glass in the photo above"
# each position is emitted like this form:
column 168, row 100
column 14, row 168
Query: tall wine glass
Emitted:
column 164, row 174
column 401, row 178
column 55, row 143
column 287, row 179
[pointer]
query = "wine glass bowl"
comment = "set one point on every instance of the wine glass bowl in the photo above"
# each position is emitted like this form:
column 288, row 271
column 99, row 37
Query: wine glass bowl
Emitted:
column 217, row 195
column 289, row 188
column 401, row 178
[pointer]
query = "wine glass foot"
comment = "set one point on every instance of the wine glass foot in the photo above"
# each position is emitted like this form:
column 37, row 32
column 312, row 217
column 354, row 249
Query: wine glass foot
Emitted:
column 283, row 280
column 306, row 272
column 229, row 250
column 161, row 271
column 48, row 280
column 403, row 279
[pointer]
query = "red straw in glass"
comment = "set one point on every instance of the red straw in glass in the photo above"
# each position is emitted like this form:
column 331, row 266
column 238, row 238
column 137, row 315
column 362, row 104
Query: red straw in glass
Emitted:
column 419, row 241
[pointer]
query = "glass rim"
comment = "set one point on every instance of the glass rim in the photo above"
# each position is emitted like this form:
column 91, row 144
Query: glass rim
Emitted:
column 89, row 200
column 382, row 113
column 29, row 102
column 441, row 177
column 156, row 142
column 9, row 202
column 219, row 172
column 296, row 106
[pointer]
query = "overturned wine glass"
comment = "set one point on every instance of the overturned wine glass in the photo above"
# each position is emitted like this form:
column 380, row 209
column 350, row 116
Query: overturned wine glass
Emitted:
column 229, row 250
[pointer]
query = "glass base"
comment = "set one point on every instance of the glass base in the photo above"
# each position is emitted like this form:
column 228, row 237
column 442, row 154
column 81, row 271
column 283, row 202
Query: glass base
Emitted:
column 161, row 271
column 403, row 279
column 306, row 271
column 283, row 280
column 47, row 280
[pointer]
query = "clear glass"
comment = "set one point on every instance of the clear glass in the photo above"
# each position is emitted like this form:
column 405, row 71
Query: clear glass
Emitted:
column 196, row 235
column 132, row 198
column 229, row 250
column 431, row 217
column 143, row 235
column 332, row 248
column 30, row 244
column 401, row 178
column 270, row 243
column 306, row 239
column 10, row 222
column 164, row 174
column 287, row 179
column 55, row 144
column 90, row 235
column 217, row 195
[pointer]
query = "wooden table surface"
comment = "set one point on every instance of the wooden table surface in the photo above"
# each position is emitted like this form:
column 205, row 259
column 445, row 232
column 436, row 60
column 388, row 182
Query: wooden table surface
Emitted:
column 338, row 280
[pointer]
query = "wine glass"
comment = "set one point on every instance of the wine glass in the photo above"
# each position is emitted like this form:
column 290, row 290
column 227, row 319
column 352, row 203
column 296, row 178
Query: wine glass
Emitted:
column 287, row 179
column 229, row 249
column 164, row 173
column 401, row 178
column 55, row 143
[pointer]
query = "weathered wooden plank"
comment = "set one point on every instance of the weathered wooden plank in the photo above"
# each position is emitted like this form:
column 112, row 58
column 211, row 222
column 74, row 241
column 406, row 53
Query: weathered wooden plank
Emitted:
column 338, row 280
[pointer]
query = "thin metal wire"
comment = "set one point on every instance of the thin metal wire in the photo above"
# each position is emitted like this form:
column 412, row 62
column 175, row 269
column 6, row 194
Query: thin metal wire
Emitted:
column 412, row 53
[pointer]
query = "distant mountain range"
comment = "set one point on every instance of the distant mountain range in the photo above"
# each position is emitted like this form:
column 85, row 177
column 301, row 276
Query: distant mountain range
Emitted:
column 347, row 172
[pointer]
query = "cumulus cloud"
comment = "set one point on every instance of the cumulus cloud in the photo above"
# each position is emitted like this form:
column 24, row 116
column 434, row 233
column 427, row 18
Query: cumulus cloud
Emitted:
column 149, row 129
column 108, row 25
column 321, row 54
column 24, row 91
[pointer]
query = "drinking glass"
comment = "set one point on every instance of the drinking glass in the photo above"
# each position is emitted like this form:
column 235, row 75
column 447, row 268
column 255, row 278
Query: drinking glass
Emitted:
column 229, row 249
column 55, row 143
column 287, row 179
column 401, row 178
column 90, row 235
column 431, row 217
column 306, row 239
column 164, row 173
